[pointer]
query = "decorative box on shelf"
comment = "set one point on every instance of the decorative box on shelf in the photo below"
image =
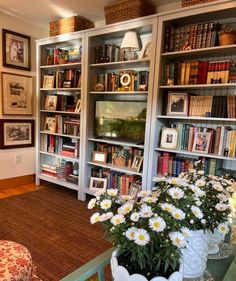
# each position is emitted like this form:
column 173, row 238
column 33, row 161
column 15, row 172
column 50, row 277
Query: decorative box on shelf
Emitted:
column 125, row 9
column 194, row 2
column 71, row 24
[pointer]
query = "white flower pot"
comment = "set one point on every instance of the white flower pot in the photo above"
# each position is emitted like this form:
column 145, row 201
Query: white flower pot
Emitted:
column 213, row 241
column 194, row 256
column 120, row 273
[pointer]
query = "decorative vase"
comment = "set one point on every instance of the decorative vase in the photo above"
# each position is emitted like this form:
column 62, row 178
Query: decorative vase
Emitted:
column 194, row 256
column 120, row 273
column 213, row 241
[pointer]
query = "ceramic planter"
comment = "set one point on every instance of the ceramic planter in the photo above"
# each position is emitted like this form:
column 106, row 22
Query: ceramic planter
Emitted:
column 213, row 241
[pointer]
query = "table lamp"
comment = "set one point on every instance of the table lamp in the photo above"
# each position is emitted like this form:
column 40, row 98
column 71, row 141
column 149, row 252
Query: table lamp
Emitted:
column 130, row 44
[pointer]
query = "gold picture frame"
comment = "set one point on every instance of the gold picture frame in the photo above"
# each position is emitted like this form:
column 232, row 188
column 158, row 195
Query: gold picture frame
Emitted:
column 99, row 157
column 48, row 81
column 98, row 184
column 137, row 162
column 169, row 138
column 50, row 125
column 51, row 102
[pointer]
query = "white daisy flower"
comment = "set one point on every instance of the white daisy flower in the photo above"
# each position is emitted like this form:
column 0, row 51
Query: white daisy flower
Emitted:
column 217, row 186
column 112, row 192
column 146, row 211
column 186, row 232
column 157, row 224
column 192, row 171
column 173, row 181
column 159, row 178
column 144, row 193
column 135, row 216
column 178, row 214
column 223, row 228
column 106, row 216
column 221, row 207
column 178, row 239
column 201, row 172
column 200, row 182
column 141, row 237
column 230, row 189
column 94, row 218
column 130, row 233
column 197, row 212
column 117, row 219
column 99, row 193
column 105, row 204
column 167, row 207
column 149, row 199
column 126, row 197
column 176, row 193
column 92, row 203
column 222, row 197
column 125, row 209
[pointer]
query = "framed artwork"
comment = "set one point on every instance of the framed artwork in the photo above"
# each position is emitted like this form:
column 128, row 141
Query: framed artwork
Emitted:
column 97, row 184
column 99, row 157
column 16, row 50
column 50, row 125
column 146, row 50
column 201, row 142
column 51, row 102
column 67, row 84
column 17, row 94
column 169, row 137
column 48, row 81
column 15, row 133
column 78, row 106
column 137, row 162
column 134, row 189
column 177, row 104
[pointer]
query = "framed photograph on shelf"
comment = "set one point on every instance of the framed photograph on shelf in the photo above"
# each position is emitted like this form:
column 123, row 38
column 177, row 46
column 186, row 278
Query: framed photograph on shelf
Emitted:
column 134, row 189
column 78, row 106
column 146, row 49
column 17, row 94
column 137, row 162
column 99, row 157
column 169, row 138
column 51, row 102
column 15, row 133
column 67, row 84
column 50, row 125
column 16, row 50
column 97, row 184
column 177, row 104
column 201, row 142
column 48, row 81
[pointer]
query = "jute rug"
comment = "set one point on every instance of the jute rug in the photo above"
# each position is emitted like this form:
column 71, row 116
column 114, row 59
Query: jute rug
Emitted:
column 55, row 227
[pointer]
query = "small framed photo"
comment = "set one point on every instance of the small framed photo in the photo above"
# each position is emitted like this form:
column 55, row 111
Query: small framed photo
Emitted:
column 99, row 157
column 16, row 133
column 50, row 125
column 67, row 84
column 51, row 102
column 17, row 94
column 78, row 106
column 146, row 50
column 177, row 104
column 137, row 162
column 201, row 142
column 16, row 50
column 134, row 190
column 98, row 184
column 169, row 138
column 48, row 81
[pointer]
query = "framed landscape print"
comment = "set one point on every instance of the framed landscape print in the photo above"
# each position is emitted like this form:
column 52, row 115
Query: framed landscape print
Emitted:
column 17, row 94
column 16, row 50
column 16, row 133
column 177, row 104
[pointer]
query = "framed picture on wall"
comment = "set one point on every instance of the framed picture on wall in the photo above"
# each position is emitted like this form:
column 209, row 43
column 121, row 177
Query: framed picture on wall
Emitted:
column 17, row 94
column 16, row 50
column 15, row 133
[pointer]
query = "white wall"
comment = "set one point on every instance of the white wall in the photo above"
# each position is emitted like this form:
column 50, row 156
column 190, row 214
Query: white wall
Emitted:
column 26, row 156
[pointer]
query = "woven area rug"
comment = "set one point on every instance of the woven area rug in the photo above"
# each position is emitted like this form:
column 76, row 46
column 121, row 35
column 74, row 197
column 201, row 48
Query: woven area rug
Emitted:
column 55, row 227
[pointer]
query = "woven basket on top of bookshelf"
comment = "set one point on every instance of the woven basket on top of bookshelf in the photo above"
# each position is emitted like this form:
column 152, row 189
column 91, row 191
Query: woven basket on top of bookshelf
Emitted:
column 194, row 2
column 125, row 9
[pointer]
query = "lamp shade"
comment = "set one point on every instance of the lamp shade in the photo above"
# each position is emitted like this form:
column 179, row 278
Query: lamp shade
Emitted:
column 130, row 41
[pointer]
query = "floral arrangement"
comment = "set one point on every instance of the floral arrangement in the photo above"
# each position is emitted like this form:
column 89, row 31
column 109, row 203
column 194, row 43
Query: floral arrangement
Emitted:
column 120, row 153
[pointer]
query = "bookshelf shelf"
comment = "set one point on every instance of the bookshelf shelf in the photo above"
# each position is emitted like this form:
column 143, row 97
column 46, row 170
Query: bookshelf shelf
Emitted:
column 123, row 93
column 61, row 89
column 115, row 168
column 207, row 119
column 63, row 66
column 60, row 112
column 61, row 135
column 55, row 180
column 200, row 86
column 122, row 143
column 60, row 156
column 195, row 154
column 122, row 64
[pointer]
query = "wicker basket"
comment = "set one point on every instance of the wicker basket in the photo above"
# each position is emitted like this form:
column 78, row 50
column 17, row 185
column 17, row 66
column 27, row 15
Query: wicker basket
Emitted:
column 194, row 2
column 71, row 24
column 227, row 38
column 119, row 161
column 125, row 9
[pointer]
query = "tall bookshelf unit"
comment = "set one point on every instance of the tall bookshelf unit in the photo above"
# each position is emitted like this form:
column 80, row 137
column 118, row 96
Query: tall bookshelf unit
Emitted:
column 218, row 12
column 98, row 42
column 59, row 107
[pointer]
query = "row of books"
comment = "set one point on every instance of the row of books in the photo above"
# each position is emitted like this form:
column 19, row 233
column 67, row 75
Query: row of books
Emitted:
column 118, row 180
column 70, row 54
column 125, row 80
column 63, row 78
column 68, row 147
column 108, row 53
column 171, row 165
column 194, row 36
column 130, row 153
column 199, row 72
column 220, row 141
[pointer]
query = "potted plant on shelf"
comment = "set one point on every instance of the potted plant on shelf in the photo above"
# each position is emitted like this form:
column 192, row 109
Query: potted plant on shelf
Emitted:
column 227, row 34
column 120, row 156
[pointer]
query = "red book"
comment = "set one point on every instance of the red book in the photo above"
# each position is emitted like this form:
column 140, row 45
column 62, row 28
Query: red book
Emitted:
column 204, row 72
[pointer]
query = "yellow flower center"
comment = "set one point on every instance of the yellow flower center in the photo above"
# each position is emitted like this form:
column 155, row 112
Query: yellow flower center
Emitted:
column 177, row 240
column 177, row 216
column 141, row 237
column 157, row 224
